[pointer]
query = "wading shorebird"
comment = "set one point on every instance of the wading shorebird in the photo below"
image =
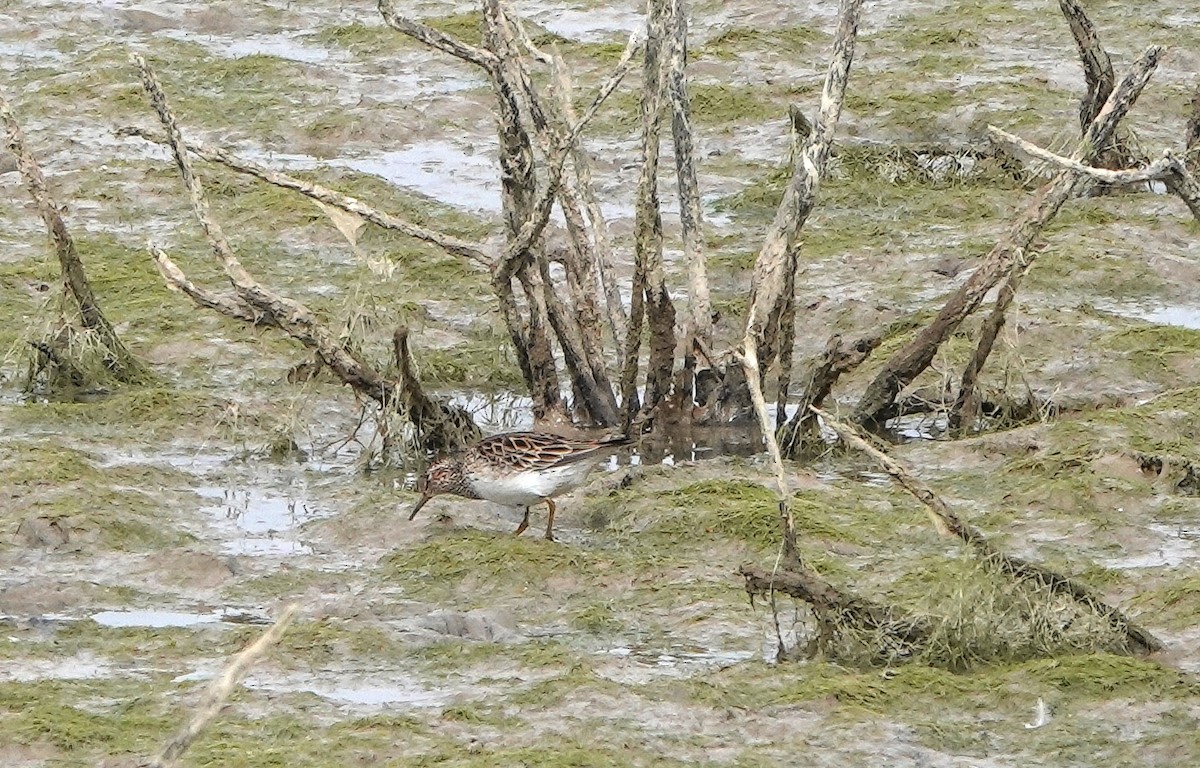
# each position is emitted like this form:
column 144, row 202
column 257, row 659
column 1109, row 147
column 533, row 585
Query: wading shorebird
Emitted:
column 517, row 469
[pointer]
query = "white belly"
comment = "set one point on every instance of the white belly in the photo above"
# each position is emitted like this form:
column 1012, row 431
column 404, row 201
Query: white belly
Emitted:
column 527, row 488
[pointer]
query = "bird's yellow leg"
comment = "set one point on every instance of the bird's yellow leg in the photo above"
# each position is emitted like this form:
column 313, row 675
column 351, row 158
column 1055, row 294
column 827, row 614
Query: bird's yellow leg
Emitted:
column 550, row 520
column 524, row 523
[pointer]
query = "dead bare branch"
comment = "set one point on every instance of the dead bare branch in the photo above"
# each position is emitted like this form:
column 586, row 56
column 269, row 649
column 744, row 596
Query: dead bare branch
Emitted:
column 1169, row 169
column 439, row 427
column 1010, row 255
column 601, row 242
column 948, row 523
column 691, row 219
column 577, row 328
column 121, row 363
column 436, row 38
column 652, row 302
column 841, row 356
column 1184, row 184
column 473, row 252
column 772, row 265
column 1097, row 66
column 222, row 687
column 230, row 306
column 1157, row 171
column 776, row 258
column 1191, row 135
column 836, row 610
column 791, row 555
column 289, row 315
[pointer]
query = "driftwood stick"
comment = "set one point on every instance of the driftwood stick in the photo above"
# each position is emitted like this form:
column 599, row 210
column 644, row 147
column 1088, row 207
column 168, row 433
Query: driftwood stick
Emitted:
column 950, row 524
column 776, row 257
column 1156, row 171
column 655, row 304
column 439, row 428
column 964, row 414
column 601, row 249
column 231, row 306
column 593, row 255
column 1169, row 169
column 833, row 608
column 791, row 554
column 1184, row 184
column 771, row 266
column 435, row 38
column 531, row 228
column 690, row 216
column 471, row 251
column 578, row 327
column 518, row 187
column 1191, row 134
column 1011, row 253
column 841, row 356
column 220, row 690
column 123, row 365
column 602, row 245
column 1097, row 66
column 630, row 402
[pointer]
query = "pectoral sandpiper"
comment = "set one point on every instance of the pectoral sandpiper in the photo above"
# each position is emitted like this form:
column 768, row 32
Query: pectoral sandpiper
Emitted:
column 516, row 469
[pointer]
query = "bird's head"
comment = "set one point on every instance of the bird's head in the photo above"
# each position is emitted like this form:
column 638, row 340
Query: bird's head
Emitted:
column 443, row 476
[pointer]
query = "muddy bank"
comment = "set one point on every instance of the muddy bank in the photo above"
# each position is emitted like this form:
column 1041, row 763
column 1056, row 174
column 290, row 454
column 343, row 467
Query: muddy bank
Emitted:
column 146, row 536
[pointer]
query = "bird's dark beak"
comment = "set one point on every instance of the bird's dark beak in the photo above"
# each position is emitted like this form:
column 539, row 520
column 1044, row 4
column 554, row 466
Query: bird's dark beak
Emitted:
column 424, row 498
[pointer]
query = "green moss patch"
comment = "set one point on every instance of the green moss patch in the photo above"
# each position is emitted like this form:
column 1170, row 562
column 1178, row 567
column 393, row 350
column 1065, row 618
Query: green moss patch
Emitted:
column 475, row 564
column 83, row 503
column 783, row 41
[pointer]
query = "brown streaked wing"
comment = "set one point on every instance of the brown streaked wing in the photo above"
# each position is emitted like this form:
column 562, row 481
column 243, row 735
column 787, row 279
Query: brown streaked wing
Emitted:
column 534, row 450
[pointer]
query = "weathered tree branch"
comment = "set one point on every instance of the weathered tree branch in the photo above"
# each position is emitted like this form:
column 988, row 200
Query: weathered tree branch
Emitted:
column 690, row 217
column 439, row 428
column 1156, row 171
column 289, row 315
column 1184, row 184
column 121, row 363
column 1191, row 135
column 577, row 327
column 601, row 246
column 230, row 306
column 841, row 356
column 776, row 258
column 1097, row 66
column 834, row 610
column 772, row 266
column 791, row 554
column 472, row 252
column 648, row 235
column 1169, row 169
column 1010, row 254
column 435, row 38
column 950, row 524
